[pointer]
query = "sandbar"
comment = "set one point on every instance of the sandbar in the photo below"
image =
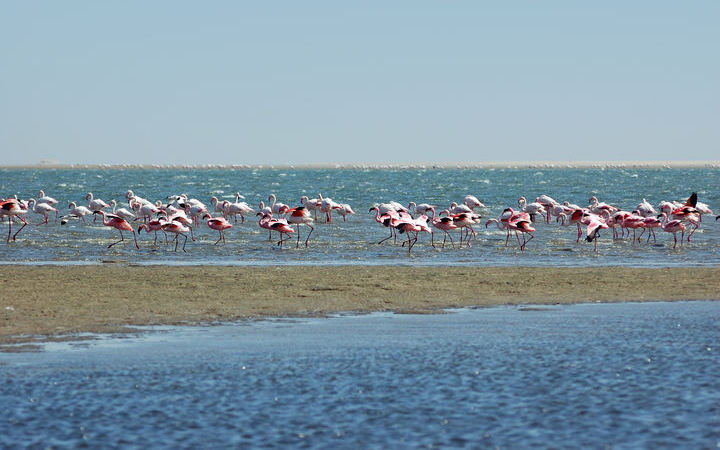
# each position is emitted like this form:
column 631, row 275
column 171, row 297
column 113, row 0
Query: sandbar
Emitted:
column 51, row 302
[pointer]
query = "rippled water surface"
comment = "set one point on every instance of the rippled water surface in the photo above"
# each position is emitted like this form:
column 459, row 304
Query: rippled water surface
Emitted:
column 581, row 376
column 355, row 241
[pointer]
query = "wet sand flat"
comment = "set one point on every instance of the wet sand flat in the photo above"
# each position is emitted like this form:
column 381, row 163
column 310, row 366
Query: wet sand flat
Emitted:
column 59, row 300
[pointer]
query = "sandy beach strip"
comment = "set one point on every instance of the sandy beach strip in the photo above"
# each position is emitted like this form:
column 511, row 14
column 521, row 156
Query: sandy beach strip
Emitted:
column 45, row 302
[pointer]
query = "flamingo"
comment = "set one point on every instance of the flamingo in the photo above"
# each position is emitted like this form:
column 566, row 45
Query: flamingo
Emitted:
column 458, row 209
column 533, row 208
column 154, row 225
column 422, row 208
column 280, row 225
column 688, row 213
column 645, row 209
column 326, row 206
column 42, row 209
column 472, row 202
column 11, row 208
column 594, row 225
column 548, row 203
column 300, row 215
column 76, row 211
column 312, row 204
column 177, row 227
column 445, row 224
column 183, row 219
column 633, row 222
column 122, row 212
column 576, row 217
column 277, row 207
column 344, row 210
column 95, row 204
column 523, row 226
column 386, row 219
column 218, row 206
column 238, row 207
column 464, row 221
column 42, row 198
column 672, row 226
column 117, row 222
column 218, row 223
column 596, row 207
column 650, row 224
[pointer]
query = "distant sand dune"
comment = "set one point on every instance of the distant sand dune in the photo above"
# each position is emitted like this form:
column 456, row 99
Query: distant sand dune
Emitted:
column 463, row 165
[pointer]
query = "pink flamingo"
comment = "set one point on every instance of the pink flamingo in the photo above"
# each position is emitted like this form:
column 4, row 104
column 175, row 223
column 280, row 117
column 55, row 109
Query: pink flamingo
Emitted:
column 650, row 224
column 548, row 203
column 386, row 219
column 445, row 224
column 300, row 215
column 525, row 227
column 633, row 222
column 12, row 208
column 594, row 225
column 280, row 225
column 177, row 227
column 117, row 222
column 154, row 225
column 576, row 217
column 673, row 226
column 218, row 223
column 688, row 213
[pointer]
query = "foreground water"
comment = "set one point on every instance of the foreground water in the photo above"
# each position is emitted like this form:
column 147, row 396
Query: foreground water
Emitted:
column 355, row 241
column 589, row 375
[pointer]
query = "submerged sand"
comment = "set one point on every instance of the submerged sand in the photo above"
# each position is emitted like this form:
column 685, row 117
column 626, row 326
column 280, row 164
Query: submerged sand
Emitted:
column 52, row 301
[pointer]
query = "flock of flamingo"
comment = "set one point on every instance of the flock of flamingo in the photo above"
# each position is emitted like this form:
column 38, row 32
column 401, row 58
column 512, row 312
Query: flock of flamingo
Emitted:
column 180, row 214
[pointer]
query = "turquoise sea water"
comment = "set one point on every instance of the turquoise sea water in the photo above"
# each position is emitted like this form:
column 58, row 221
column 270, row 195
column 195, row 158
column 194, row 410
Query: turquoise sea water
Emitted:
column 355, row 241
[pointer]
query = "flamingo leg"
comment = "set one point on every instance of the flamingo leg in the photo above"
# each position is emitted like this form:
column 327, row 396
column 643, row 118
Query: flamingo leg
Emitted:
column 391, row 235
column 184, row 242
column 220, row 237
column 639, row 239
column 693, row 230
column 191, row 233
column 308, row 236
column 136, row 242
column 121, row 239
column 579, row 232
column 18, row 231
column 451, row 240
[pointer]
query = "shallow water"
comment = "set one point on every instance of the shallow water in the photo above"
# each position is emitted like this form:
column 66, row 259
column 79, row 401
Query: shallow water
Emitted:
column 355, row 241
column 591, row 375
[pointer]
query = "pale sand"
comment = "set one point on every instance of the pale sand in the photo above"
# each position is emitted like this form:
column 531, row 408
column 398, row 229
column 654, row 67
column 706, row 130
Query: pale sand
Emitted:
column 51, row 301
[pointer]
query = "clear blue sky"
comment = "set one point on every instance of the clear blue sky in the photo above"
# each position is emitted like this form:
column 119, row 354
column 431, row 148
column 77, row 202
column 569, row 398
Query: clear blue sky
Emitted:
column 343, row 82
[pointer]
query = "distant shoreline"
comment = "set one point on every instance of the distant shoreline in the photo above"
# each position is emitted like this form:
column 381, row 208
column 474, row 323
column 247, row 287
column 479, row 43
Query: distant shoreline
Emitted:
column 430, row 165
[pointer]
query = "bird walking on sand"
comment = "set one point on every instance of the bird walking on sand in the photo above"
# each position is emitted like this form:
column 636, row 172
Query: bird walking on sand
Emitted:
column 117, row 222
